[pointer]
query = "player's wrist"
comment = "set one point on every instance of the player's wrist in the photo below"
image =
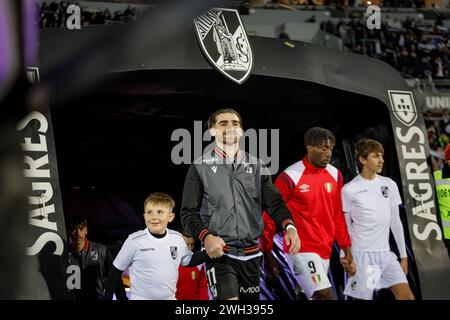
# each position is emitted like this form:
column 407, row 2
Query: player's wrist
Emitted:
column 205, row 235
column 291, row 227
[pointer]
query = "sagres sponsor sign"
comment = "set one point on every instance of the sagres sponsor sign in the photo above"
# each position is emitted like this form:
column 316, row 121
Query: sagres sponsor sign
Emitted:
column 419, row 194
column 222, row 37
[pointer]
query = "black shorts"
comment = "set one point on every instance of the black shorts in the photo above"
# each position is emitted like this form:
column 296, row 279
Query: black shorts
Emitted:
column 229, row 278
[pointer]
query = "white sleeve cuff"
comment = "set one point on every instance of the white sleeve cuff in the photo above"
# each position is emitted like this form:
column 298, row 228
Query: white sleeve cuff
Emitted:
column 290, row 226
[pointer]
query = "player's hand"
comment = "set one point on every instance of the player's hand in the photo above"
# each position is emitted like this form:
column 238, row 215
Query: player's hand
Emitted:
column 349, row 268
column 292, row 241
column 214, row 246
column 404, row 265
column 347, row 263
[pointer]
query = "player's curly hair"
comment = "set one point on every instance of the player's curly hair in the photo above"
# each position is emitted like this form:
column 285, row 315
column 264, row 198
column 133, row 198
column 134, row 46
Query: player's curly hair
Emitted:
column 316, row 136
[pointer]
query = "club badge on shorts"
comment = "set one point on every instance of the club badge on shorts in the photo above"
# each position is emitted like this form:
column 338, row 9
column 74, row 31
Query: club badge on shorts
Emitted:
column 385, row 191
column 173, row 252
column 223, row 40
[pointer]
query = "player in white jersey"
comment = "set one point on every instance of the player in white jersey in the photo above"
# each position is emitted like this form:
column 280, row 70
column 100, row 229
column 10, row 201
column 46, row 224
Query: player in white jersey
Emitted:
column 371, row 205
column 153, row 254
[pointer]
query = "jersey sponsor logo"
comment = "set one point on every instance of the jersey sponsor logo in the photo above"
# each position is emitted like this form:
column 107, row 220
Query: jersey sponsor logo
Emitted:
column 173, row 252
column 249, row 289
column 147, row 249
column 94, row 255
column 304, row 188
column 328, row 187
column 385, row 191
column 214, row 169
column 224, row 42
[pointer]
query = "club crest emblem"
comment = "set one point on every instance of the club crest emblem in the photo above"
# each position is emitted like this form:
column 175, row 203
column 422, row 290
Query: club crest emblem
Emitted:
column 403, row 107
column 223, row 40
column 316, row 278
column 173, row 252
column 328, row 187
column 94, row 255
column 385, row 191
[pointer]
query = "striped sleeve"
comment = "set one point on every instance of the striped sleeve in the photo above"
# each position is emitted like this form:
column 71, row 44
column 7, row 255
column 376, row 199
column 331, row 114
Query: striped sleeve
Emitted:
column 190, row 206
column 274, row 204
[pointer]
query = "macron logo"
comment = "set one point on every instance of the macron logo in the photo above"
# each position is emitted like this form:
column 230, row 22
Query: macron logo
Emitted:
column 249, row 290
column 304, row 188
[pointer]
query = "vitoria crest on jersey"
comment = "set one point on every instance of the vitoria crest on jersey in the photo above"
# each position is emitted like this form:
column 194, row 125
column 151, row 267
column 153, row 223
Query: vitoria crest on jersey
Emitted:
column 222, row 37
column 94, row 255
column 385, row 191
column 173, row 252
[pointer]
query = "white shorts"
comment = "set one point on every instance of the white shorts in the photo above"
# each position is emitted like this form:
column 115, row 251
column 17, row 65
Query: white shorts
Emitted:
column 311, row 271
column 374, row 271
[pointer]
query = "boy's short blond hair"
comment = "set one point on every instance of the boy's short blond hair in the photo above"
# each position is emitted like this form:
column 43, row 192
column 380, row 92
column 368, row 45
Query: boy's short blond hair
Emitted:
column 160, row 198
column 365, row 146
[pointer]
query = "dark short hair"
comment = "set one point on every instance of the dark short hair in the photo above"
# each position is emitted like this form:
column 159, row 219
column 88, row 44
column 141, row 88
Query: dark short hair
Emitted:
column 160, row 198
column 316, row 136
column 212, row 118
column 366, row 146
column 77, row 222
